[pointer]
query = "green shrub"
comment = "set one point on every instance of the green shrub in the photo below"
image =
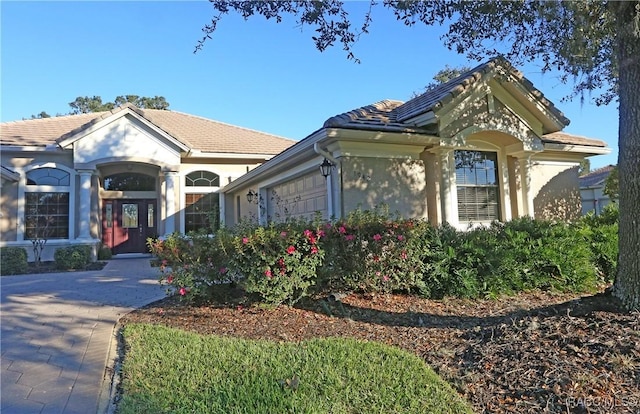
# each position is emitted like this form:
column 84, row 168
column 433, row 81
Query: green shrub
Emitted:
column 104, row 253
column 602, row 234
column 13, row 260
column 72, row 257
column 278, row 262
column 192, row 266
column 369, row 251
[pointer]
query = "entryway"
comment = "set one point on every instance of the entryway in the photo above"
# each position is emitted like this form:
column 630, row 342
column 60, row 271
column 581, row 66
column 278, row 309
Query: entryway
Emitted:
column 127, row 223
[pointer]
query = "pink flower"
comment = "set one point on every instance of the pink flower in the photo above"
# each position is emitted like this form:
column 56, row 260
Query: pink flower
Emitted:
column 349, row 237
column 385, row 278
column 223, row 270
column 169, row 278
column 312, row 239
column 164, row 262
column 400, row 237
column 283, row 234
column 376, row 258
column 342, row 230
column 268, row 273
column 320, row 233
column 314, row 250
column 182, row 291
column 308, row 233
column 291, row 249
column 403, row 254
column 377, row 237
column 245, row 240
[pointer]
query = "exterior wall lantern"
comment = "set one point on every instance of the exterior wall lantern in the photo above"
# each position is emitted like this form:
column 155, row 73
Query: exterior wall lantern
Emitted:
column 251, row 195
column 325, row 168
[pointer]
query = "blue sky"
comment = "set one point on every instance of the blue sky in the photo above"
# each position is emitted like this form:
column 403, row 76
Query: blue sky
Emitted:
column 255, row 74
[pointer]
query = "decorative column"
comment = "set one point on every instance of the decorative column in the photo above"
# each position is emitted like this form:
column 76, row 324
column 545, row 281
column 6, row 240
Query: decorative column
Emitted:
column 525, row 182
column 170, row 202
column 84, row 229
column 448, row 195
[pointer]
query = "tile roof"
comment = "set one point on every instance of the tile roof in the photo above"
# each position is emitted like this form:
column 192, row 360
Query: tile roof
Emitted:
column 564, row 138
column 595, row 177
column 390, row 115
column 196, row 132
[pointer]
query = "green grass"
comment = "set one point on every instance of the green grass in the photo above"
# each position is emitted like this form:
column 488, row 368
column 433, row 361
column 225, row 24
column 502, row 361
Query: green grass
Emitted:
column 171, row 371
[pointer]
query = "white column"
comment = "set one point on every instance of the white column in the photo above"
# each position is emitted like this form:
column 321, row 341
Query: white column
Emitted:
column 525, row 182
column 448, row 195
column 84, row 230
column 170, row 202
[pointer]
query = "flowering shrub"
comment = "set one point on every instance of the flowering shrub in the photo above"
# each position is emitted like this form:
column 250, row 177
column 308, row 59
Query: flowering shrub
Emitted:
column 278, row 262
column 371, row 252
column 191, row 266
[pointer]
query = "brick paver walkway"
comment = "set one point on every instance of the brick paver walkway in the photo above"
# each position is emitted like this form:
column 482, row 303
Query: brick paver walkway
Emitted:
column 57, row 335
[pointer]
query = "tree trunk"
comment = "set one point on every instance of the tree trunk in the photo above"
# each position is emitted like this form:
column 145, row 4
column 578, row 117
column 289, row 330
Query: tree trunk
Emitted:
column 627, row 284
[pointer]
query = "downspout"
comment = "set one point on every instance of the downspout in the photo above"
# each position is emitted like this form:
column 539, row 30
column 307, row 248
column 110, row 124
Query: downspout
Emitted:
column 329, row 179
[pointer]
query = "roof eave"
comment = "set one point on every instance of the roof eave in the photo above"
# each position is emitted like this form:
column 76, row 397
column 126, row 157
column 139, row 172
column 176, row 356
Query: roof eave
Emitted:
column 573, row 148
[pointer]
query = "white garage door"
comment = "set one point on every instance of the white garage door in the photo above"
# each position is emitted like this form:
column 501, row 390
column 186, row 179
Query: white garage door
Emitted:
column 299, row 198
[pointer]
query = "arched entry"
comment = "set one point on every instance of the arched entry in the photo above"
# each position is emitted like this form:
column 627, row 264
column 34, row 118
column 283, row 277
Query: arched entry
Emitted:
column 129, row 211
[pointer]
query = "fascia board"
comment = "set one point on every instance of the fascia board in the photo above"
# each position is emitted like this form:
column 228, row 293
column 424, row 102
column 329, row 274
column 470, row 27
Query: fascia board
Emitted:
column 583, row 149
column 400, row 138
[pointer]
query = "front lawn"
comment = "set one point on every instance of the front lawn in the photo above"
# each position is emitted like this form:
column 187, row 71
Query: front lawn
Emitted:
column 171, row 371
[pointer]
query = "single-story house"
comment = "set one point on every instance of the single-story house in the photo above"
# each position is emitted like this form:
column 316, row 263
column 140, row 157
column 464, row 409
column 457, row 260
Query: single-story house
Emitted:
column 484, row 146
column 120, row 176
column 592, row 190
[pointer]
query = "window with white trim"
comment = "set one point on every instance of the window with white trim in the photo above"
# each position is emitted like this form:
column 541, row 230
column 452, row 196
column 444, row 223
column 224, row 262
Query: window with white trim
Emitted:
column 202, row 204
column 477, row 186
column 47, row 204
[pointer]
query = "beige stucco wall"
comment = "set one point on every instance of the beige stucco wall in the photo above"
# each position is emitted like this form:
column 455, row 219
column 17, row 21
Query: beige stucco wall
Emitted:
column 555, row 190
column 396, row 182
column 8, row 210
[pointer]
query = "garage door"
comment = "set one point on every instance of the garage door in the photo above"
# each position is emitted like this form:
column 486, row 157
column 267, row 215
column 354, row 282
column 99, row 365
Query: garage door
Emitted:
column 299, row 198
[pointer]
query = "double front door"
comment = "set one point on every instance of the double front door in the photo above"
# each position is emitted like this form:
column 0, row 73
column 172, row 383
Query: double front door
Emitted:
column 126, row 224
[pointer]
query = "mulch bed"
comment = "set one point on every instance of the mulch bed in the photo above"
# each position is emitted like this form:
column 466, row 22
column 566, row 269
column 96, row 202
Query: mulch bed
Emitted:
column 532, row 353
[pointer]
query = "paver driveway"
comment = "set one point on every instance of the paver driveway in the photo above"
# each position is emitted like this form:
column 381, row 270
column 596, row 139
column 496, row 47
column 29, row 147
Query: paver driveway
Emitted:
column 57, row 332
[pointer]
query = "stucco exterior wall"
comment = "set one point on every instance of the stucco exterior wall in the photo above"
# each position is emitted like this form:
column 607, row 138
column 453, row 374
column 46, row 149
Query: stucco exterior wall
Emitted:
column 555, row 191
column 398, row 183
column 8, row 210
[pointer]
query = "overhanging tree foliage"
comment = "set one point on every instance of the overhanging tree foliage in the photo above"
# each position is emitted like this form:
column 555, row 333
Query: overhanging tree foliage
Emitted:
column 595, row 44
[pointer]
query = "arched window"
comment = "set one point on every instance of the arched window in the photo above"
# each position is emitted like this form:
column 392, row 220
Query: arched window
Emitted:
column 129, row 182
column 201, row 211
column 48, row 176
column 202, row 179
column 47, row 204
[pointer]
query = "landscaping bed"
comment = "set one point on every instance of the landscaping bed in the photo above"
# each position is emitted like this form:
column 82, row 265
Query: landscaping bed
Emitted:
column 529, row 353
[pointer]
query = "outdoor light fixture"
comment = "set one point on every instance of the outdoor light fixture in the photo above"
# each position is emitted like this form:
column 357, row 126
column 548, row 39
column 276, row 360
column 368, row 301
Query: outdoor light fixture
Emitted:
column 325, row 168
column 251, row 195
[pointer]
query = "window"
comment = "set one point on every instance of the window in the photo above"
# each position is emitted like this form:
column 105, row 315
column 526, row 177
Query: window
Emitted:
column 202, row 179
column 201, row 212
column 47, row 204
column 477, row 185
column 202, row 209
column 130, row 182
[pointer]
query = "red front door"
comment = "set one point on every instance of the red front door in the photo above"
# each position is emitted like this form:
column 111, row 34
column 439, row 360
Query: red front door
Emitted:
column 126, row 224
